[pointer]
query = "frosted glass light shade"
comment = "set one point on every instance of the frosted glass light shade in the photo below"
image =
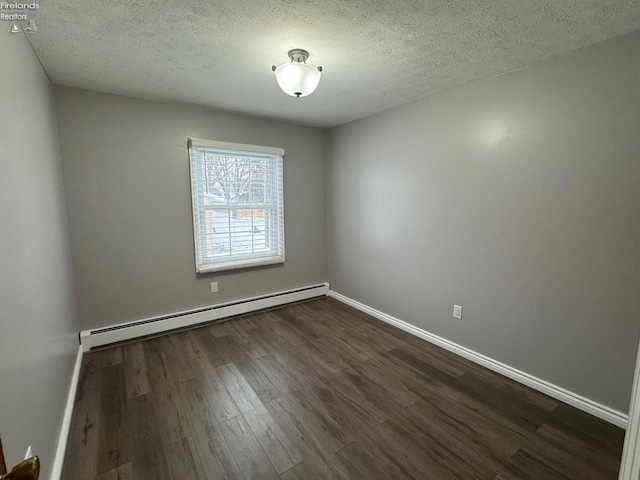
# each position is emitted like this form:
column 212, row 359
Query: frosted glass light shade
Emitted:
column 297, row 79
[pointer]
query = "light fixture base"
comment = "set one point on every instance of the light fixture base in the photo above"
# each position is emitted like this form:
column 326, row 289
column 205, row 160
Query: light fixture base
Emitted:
column 298, row 55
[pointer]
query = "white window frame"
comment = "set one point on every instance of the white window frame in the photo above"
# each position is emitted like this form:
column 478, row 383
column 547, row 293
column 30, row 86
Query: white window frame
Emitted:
column 207, row 264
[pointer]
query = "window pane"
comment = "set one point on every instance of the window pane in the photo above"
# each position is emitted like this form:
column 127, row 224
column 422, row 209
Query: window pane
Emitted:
column 238, row 208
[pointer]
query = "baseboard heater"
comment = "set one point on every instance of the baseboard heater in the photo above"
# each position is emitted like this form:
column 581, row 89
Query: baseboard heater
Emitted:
column 126, row 331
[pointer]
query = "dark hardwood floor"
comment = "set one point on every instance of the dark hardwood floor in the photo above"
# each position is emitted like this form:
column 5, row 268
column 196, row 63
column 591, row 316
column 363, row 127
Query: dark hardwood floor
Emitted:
column 316, row 391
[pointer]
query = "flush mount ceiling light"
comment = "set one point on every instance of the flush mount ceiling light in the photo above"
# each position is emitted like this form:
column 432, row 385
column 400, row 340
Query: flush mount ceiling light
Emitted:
column 297, row 78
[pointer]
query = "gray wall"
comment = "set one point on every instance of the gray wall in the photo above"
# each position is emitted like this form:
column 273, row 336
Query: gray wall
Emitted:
column 38, row 327
column 517, row 197
column 126, row 177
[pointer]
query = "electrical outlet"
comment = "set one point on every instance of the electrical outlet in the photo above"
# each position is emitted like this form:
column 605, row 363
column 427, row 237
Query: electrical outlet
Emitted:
column 457, row 312
column 214, row 287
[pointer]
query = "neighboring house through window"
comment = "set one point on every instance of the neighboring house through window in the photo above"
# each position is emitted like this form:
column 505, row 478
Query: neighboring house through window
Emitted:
column 238, row 211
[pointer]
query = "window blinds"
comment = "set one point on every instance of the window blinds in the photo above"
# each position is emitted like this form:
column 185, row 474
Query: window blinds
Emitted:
column 238, row 211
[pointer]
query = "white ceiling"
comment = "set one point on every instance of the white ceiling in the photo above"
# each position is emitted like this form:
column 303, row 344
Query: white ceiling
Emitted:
column 376, row 54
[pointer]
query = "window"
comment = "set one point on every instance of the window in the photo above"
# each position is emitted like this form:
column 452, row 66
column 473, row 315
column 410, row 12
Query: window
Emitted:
column 238, row 211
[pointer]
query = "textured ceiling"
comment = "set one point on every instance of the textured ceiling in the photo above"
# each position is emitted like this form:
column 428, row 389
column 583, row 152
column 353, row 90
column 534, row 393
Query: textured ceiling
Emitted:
column 376, row 54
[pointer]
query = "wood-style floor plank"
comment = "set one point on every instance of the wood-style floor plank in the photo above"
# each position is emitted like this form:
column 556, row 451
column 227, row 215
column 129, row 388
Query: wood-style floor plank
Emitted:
column 241, row 392
column 184, row 460
column 304, row 427
column 114, row 356
column 282, row 452
column 249, row 455
column 135, row 369
column 319, row 391
column 362, row 459
column 217, row 459
column 261, row 384
column 148, row 458
column 113, row 439
column 83, row 433
column 316, row 462
column 121, row 472
column 219, row 399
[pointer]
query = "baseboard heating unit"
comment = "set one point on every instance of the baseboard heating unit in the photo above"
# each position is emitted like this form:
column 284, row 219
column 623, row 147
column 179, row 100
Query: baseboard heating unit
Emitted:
column 149, row 326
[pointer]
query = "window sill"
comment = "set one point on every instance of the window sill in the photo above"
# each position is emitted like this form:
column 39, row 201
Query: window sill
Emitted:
column 236, row 265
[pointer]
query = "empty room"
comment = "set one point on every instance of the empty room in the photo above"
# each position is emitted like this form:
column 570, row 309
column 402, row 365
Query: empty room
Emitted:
column 320, row 240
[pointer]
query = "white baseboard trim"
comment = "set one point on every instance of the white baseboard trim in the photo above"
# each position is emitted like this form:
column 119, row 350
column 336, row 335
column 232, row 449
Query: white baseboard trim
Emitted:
column 589, row 406
column 150, row 326
column 630, row 466
column 58, row 461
